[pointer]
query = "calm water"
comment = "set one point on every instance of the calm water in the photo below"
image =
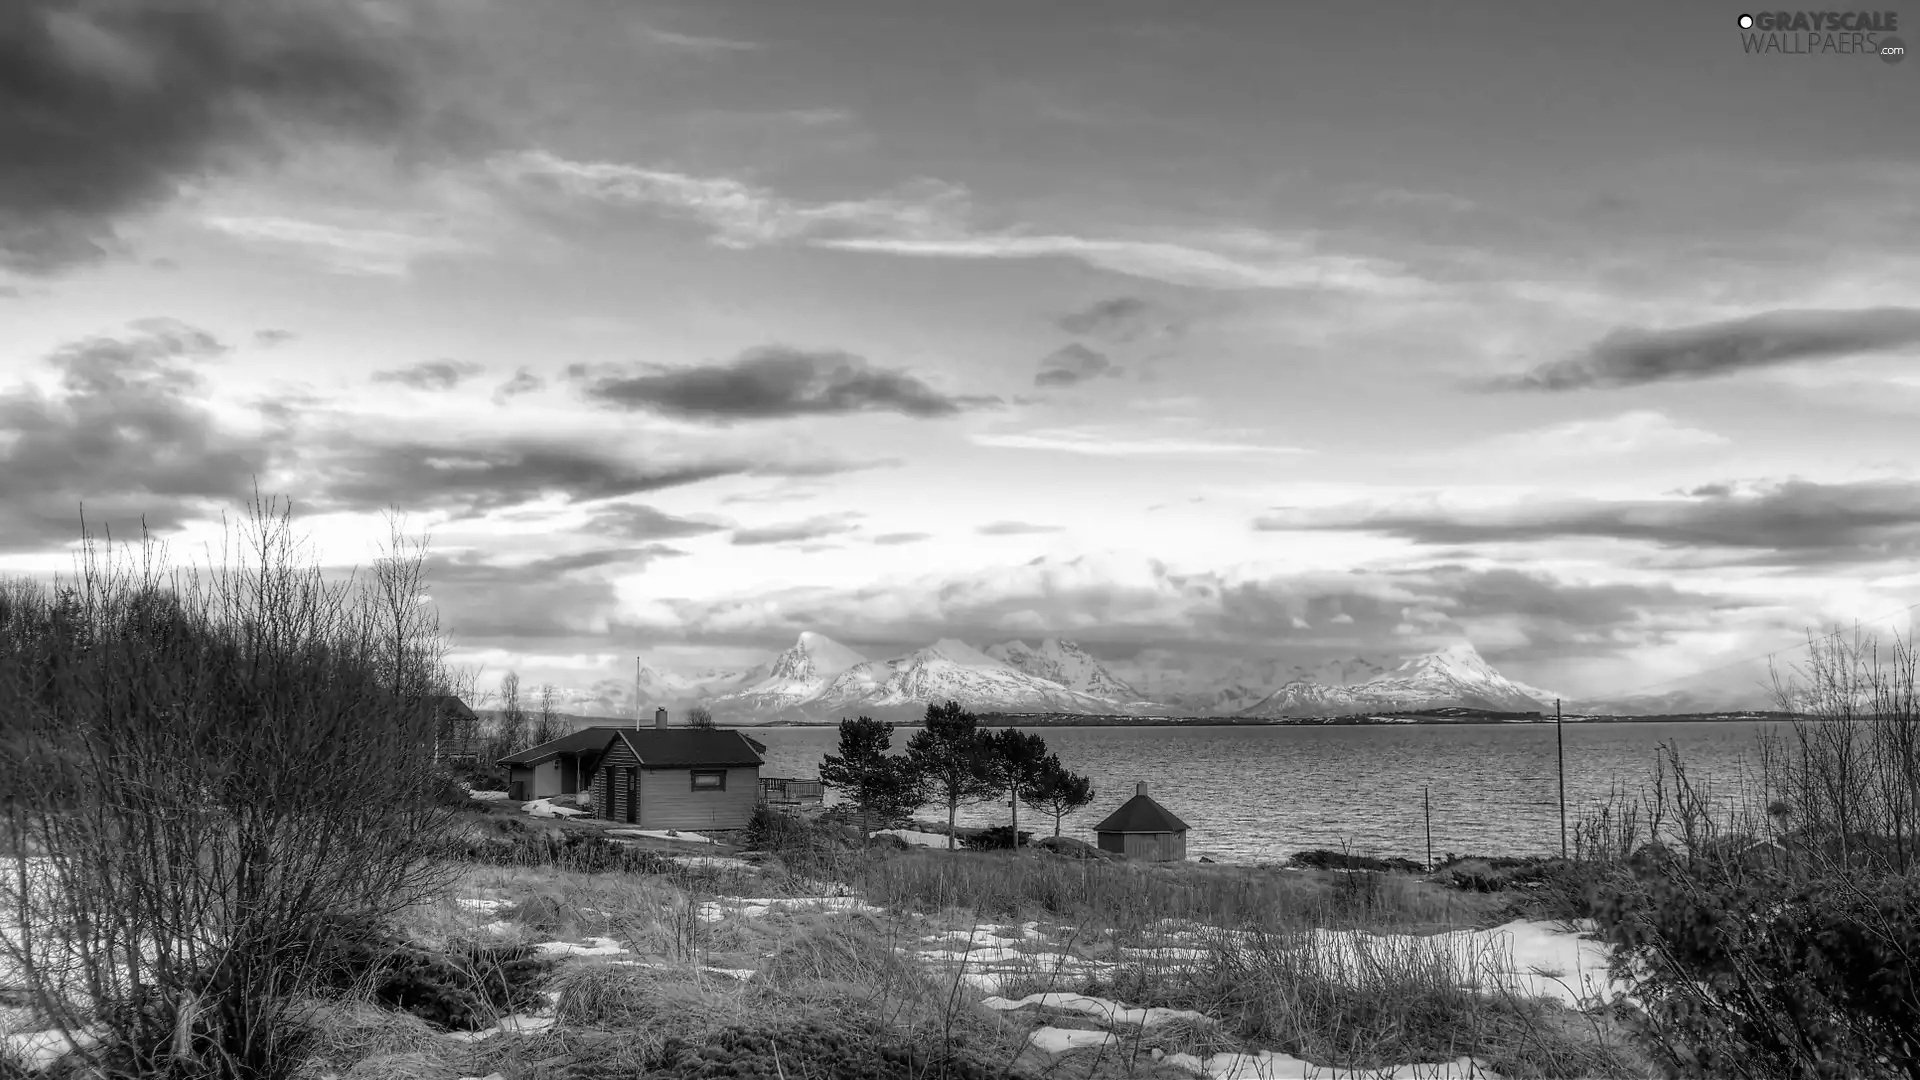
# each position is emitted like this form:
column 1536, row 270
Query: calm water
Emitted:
column 1258, row 793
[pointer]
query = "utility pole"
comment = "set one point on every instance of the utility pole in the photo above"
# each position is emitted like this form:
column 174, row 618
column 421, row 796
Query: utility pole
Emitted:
column 1426, row 802
column 636, row 693
column 1560, row 744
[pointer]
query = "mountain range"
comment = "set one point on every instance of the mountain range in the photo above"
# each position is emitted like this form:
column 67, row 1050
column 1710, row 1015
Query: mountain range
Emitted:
column 820, row 680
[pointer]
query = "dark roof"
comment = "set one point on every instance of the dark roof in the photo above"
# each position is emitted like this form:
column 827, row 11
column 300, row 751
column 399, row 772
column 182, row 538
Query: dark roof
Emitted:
column 691, row 748
column 657, row 748
column 1141, row 814
column 449, row 707
column 593, row 738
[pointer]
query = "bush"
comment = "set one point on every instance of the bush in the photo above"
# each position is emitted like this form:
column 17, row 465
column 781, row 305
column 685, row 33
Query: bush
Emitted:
column 997, row 838
column 587, row 853
column 463, row 988
column 814, row 1048
column 1323, row 859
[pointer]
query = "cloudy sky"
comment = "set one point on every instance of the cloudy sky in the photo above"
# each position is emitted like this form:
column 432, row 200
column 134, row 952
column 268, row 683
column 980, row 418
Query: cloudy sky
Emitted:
column 1231, row 328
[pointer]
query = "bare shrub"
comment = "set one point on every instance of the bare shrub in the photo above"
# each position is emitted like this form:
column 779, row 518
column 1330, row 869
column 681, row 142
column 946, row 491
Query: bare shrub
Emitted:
column 208, row 765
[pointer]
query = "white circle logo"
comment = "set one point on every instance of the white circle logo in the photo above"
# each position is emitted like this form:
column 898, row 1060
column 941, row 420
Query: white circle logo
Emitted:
column 1746, row 22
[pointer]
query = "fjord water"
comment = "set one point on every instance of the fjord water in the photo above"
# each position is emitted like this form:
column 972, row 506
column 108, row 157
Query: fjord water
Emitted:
column 1251, row 794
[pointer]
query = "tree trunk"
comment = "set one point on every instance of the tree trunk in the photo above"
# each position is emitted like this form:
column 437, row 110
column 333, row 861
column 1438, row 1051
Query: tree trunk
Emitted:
column 953, row 809
column 1014, row 801
column 1056, row 825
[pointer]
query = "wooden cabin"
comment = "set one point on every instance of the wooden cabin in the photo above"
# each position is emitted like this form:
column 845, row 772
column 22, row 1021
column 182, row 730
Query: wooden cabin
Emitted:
column 1143, row 829
column 456, row 732
column 651, row 778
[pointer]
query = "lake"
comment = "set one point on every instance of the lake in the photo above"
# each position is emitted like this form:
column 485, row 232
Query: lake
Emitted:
column 1261, row 793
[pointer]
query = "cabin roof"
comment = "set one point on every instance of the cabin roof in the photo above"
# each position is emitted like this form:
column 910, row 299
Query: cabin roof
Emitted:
column 449, row 707
column 671, row 748
column 1141, row 814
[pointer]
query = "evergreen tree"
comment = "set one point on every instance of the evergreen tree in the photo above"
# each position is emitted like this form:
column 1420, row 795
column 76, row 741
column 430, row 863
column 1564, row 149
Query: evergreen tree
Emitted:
column 950, row 759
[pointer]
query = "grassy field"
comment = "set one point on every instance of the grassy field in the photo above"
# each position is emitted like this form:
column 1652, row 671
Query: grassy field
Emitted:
column 822, row 958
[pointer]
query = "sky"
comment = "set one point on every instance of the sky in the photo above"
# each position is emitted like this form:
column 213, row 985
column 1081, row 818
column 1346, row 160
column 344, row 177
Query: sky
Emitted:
column 1234, row 329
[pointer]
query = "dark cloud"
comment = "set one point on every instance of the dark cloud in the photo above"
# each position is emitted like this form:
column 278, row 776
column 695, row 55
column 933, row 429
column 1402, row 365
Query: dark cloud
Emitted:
column 1325, row 615
column 561, row 596
column 812, row 528
column 478, row 476
column 902, row 538
column 523, row 382
column 1795, row 522
column 267, row 339
column 127, row 433
column 431, row 375
column 1122, row 320
column 637, row 521
column 111, row 107
column 1015, row 528
column 1638, row 357
column 773, row 383
column 1072, row 364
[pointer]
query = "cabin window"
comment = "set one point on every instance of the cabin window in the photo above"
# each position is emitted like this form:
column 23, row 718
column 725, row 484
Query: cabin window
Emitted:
column 709, row 780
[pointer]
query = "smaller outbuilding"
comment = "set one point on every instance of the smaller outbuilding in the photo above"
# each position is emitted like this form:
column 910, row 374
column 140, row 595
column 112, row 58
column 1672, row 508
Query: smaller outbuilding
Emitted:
column 1143, row 829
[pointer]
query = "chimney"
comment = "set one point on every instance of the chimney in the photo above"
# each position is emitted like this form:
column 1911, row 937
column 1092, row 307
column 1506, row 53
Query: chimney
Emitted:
column 660, row 718
column 1141, row 789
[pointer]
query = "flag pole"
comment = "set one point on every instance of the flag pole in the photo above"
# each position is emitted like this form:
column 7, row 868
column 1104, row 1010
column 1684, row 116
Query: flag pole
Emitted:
column 1560, row 745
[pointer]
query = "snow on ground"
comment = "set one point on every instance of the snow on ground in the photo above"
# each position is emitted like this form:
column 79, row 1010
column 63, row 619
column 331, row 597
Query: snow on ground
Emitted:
column 743, row 974
column 548, row 808
column 914, row 837
column 714, row 862
column 487, row 796
column 598, row 946
column 35, row 1050
column 1268, row 1065
column 716, row 910
column 662, row 834
column 483, row 904
column 1101, row 1009
column 1529, row 959
column 1053, row 1040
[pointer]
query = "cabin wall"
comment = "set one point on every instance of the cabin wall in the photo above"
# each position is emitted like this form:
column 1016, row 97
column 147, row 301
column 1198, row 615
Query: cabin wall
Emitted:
column 1147, row 847
column 610, row 782
column 668, row 799
column 545, row 780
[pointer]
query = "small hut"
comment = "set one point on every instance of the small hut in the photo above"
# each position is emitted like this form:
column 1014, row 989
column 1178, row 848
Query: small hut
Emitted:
column 1143, row 829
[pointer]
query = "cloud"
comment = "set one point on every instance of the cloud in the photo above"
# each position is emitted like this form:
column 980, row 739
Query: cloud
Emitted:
column 891, row 539
column 523, row 382
column 775, row 382
column 267, row 339
column 636, row 521
column 1015, row 528
column 1639, row 432
column 741, row 214
column 380, row 247
column 1122, row 320
column 933, row 219
column 479, row 475
column 1639, row 357
column 811, row 529
column 1120, row 606
column 695, row 43
column 1792, row 522
column 1072, row 364
column 562, row 596
column 1128, row 442
column 128, row 432
column 115, row 106
column 432, row 374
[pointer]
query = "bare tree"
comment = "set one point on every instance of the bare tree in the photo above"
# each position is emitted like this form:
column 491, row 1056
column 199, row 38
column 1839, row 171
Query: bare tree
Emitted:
column 699, row 716
column 510, row 723
column 211, row 766
column 547, row 725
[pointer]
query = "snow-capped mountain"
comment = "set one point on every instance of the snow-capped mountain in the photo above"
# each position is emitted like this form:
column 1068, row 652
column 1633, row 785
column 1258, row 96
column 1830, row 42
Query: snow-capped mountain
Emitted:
column 820, row 680
column 1226, row 687
column 1676, row 703
column 950, row 669
column 1065, row 663
column 1455, row 676
column 795, row 677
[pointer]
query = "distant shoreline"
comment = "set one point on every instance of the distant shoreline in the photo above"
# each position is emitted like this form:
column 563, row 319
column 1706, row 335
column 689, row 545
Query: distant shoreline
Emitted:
column 1430, row 718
